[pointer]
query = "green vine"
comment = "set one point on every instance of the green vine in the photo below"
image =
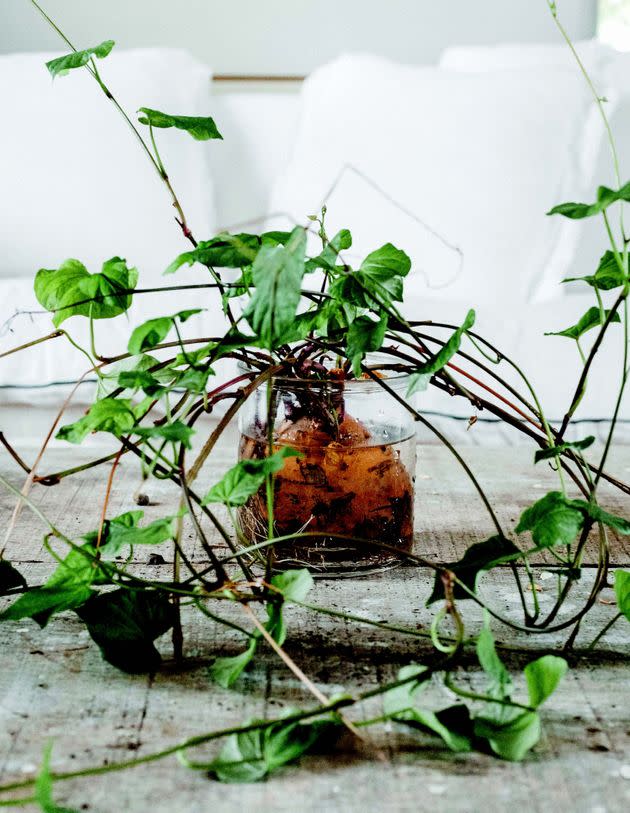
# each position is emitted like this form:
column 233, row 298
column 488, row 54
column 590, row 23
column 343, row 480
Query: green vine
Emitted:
column 286, row 330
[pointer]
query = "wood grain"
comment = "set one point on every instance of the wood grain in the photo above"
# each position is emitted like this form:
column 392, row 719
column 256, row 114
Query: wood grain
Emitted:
column 53, row 683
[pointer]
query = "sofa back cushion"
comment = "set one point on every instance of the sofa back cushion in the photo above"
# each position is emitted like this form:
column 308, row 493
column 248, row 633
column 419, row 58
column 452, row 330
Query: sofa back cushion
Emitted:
column 75, row 182
column 437, row 160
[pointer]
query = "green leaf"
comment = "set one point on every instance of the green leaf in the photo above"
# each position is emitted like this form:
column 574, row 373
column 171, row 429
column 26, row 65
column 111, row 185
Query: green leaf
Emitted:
column 400, row 699
column 622, row 591
column 153, row 331
column 599, row 515
column 328, row 257
column 229, row 250
column 244, row 479
column 239, row 287
column 377, row 283
column 78, row 59
column 123, row 530
column 364, row 336
column 552, row 520
column 156, row 383
column 427, row 720
column 543, row 676
column 44, row 786
column 329, row 319
column 287, row 742
column 419, row 380
column 140, row 379
column 478, row 558
column 201, row 128
column 499, row 680
column 400, row 704
column 554, row 451
column 277, row 273
column 252, row 755
column 510, row 739
column 556, row 520
column 196, row 356
column 592, row 318
column 124, row 624
column 194, row 380
column 241, row 759
column 385, row 264
column 293, row 584
column 115, row 415
column 110, row 376
column 510, row 732
column 176, row 432
column 71, row 290
column 607, row 276
column 226, row 671
column 605, row 198
column 68, row 587
column 10, row 577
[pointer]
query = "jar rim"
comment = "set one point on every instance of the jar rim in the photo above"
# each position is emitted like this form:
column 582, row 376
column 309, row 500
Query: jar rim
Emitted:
column 396, row 380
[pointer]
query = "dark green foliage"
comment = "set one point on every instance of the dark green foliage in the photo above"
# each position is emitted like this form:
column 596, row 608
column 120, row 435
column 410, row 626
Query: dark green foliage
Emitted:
column 365, row 335
column 622, row 591
column 293, row 585
column 78, row 59
column 252, row 755
column 478, row 558
column 593, row 317
column 154, row 331
column 277, row 275
column 229, row 250
column 122, row 531
column 608, row 275
column 512, row 731
column 419, row 380
column 377, row 283
column 140, row 379
column 605, row 198
column 487, row 721
column 556, row 520
column 552, row 520
column 244, row 479
column 10, row 577
column 125, row 623
column 176, row 432
column 71, row 290
column 400, row 703
column 115, row 415
column 201, row 128
column 69, row 587
column 554, row 451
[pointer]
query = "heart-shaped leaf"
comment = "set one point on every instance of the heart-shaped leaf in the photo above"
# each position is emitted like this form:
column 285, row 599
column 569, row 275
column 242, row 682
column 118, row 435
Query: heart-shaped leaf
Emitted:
column 78, row 59
column 71, row 290
column 201, row 128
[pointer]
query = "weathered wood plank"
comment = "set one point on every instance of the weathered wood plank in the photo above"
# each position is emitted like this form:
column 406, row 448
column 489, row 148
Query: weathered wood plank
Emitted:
column 54, row 684
column 449, row 514
column 98, row 714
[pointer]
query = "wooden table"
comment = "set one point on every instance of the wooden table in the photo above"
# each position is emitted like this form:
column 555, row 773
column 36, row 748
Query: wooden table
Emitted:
column 54, row 685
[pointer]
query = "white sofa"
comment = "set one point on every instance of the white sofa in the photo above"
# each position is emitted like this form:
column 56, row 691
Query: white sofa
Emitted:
column 468, row 156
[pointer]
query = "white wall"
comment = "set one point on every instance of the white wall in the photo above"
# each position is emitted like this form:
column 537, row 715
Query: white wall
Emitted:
column 290, row 36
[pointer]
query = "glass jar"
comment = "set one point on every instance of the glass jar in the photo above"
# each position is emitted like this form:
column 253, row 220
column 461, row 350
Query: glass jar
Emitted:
column 354, row 478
